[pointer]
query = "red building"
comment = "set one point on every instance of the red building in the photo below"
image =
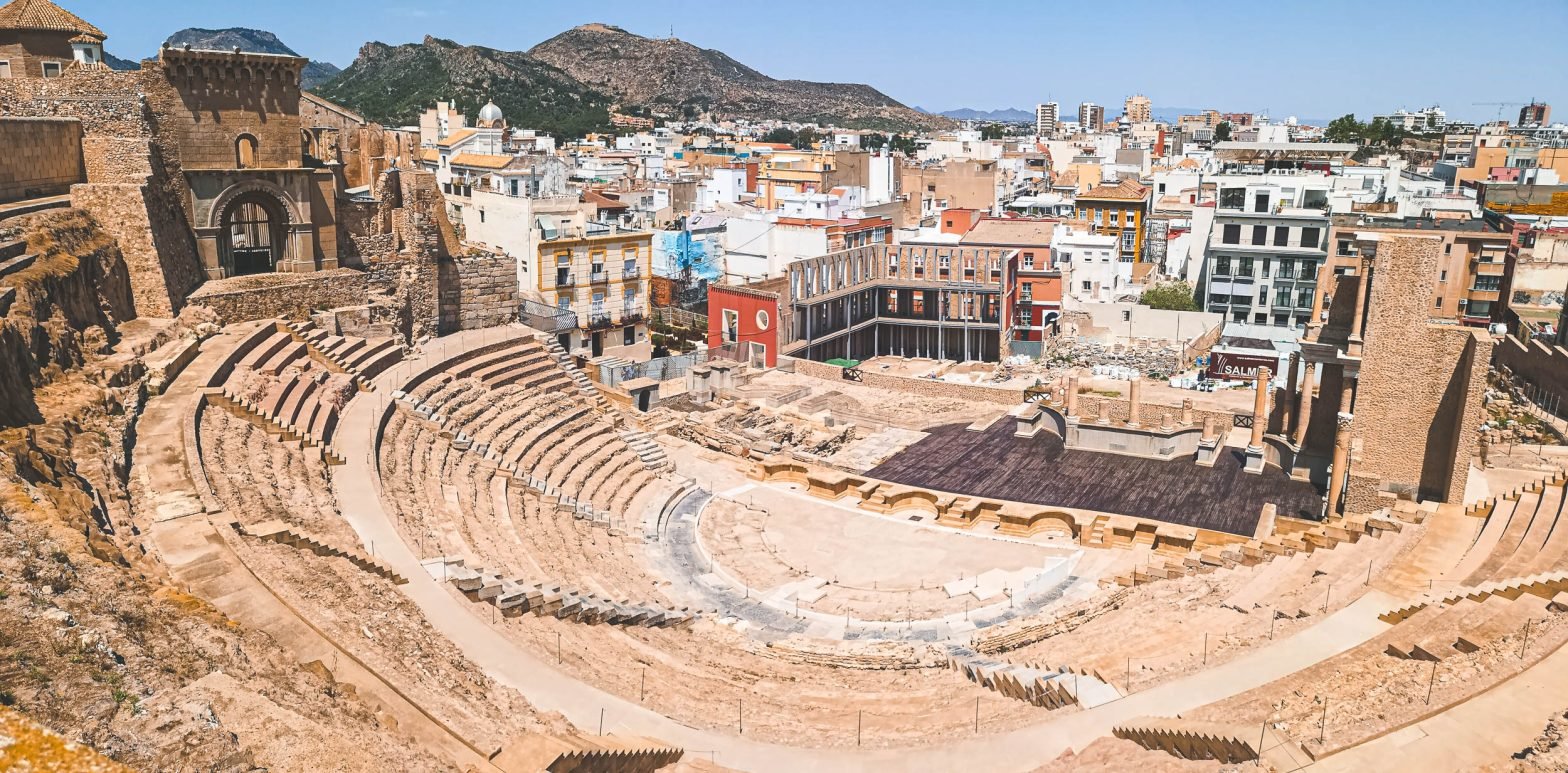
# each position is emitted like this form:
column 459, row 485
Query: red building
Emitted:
column 1034, row 291
column 746, row 314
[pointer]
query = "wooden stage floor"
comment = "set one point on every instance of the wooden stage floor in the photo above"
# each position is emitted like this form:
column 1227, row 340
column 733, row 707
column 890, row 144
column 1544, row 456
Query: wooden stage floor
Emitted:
column 1040, row 470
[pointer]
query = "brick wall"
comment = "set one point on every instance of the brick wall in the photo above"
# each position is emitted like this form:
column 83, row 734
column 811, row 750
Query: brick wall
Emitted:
column 477, row 292
column 1418, row 397
column 1544, row 367
column 41, row 157
column 288, row 296
column 29, row 49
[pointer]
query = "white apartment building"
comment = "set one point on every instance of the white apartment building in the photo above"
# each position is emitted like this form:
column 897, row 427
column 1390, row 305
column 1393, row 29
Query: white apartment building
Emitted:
column 1046, row 116
column 1091, row 270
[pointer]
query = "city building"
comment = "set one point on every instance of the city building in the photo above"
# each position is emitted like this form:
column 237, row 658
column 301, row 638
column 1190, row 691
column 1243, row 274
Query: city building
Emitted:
column 1046, row 117
column 1431, row 119
column 1138, row 109
column 1268, row 238
column 1474, row 267
column 1091, row 117
column 1117, row 209
column 589, row 285
column 1034, row 296
column 747, row 314
column 1090, row 263
column 1535, row 114
column 39, row 39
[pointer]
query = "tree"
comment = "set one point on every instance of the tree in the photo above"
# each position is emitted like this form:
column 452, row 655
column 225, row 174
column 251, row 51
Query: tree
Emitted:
column 903, row 144
column 805, row 138
column 780, row 135
column 993, row 131
column 873, row 141
column 1222, row 132
column 1344, row 129
column 1170, row 296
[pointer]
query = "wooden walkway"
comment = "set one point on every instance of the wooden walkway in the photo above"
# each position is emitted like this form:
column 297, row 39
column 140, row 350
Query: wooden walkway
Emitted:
column 1039, row 470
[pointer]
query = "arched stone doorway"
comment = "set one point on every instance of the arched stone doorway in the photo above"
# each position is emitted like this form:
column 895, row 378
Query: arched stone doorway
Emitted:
column 254, row 235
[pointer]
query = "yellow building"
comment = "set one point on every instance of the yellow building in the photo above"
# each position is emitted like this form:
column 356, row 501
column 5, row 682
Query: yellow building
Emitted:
column 600, row 276
column 1118, row 210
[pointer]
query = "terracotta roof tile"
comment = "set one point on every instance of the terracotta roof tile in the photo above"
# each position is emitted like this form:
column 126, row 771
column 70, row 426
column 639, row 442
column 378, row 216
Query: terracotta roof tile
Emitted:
column 44, row 15
column 456, row 137
column 481, row 160
column 1125, row 189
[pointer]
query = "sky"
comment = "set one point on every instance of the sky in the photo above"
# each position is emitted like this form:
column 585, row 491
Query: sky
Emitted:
column 1315, row 59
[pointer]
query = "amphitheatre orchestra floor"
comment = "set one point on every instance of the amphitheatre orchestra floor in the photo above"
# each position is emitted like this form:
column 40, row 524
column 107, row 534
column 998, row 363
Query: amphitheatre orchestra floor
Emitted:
column 1040, row 470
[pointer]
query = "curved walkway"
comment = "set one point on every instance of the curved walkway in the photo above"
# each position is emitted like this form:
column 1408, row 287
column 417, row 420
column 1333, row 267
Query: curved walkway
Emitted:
column 357, row 487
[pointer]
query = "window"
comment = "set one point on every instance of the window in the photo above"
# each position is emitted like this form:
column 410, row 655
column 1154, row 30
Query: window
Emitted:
column 1029, row 260
column 1099, row 216
column 1260, row 234
column 1267, row 264
column 1282, row 297
column 1260, row 202
column 1439, row 303
column 481, row 216
column 51, row 69
column 629, row 336
column 1263, row 296
column 1314, row 198
column 1488, row 283
column 1448, row 249
column 5, row 68
column 1309, row 270
column 1257, row 319
column 1231, row 234
column 1287, row 268
column 1233, row 198
column 917, row 302
column 245, row 152
column 1244, row 266
column 1115, row 218
column 1281, row 235
column 1222, row 265
column 1442, row 276
column 1346, row 247
column 731, row 329
column 892, row 301
column 563, row 301
column 1087, row 286
column 1304, row 298
column 1129, row 240
column 1309, row 238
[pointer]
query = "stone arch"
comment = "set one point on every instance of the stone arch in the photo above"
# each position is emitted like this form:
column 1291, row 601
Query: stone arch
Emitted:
column 222, row 202
column 254, row 234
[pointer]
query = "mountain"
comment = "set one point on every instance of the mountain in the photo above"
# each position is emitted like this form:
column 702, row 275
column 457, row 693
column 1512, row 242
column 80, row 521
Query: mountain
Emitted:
column 674, row 78
column 1004, row 114
column 254, row 41
column 392, row 84
column 116, row 63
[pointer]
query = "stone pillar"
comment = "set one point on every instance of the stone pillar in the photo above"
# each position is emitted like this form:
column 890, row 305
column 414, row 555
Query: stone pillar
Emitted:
column 1336, row 483
column 1186, row 412
column 1260, row 409
column 1260, row 421
column 1072, row 395
column 1363, row 289
column 1165, row 422
column 1209, row 445
column 1135, row 401
column 1288, row 428
column 1209, row 428
column 1304, row 404
column 1105, row 411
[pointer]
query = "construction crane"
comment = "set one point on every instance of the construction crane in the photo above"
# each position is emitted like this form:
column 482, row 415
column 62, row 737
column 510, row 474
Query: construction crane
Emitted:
column 1499, row 106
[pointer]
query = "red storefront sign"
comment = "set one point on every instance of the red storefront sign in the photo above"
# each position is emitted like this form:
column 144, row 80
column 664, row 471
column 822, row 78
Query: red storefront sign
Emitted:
column 1239, row 367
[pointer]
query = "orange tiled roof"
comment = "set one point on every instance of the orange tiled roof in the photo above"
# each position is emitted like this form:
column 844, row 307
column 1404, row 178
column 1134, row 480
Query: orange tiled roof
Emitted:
column 604, row 202
column 481, row 160
column 429, row 155
column 44, row 15
column 1125, row 189
column 456, row 137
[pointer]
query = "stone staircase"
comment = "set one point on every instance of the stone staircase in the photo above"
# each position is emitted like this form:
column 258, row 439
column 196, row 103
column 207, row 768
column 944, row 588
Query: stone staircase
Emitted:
column 361, row 358
column 514, row 597
column 1044, row 686
column 1485, row 507
column 1324, row 536
column 584, row 385
column 585, row 754
column 13, row 258
column 252, row 413
column 1552, row 586
column 647, row 448
column 1229, row 744
column 284, row 534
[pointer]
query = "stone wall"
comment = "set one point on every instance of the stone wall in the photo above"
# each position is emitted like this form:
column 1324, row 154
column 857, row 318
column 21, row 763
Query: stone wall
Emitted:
column 924, row 387
column 142, row 224
column 477, row 292
column 1419, row 392
column 41, row 157
column 1545, row 367
column 286, row 296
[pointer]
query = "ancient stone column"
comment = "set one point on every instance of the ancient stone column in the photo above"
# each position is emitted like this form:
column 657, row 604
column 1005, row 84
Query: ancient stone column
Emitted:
column 1336, row 484
column 1304, row 404
column 1260, row 410
column 1289, row 430
column 1186, row 412
column 1105, row 411
column 1165, row 421
column 1363, row 289
column 1072, row 395
column 1135, row 401
column 1209, row 428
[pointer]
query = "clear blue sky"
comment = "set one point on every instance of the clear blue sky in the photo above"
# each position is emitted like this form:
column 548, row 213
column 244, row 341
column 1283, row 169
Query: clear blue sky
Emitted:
column 1312, row 59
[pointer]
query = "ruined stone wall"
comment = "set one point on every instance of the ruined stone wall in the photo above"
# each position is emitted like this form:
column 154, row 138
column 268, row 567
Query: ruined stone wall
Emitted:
column 41, row 157
column 1419, row 394
column 213, row 99
column 945, row 390
column 124, row 147
column 283, row 295
column 477, row 292
column 1545, row 367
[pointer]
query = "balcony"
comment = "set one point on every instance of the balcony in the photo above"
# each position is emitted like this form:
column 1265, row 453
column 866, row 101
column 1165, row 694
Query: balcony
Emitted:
column 545, row 318
column 632, row 313
column 632, row 272
column 1490, row 267
column 599, row 318
column 1482, row 295
column 598, row 276
column 565, row 279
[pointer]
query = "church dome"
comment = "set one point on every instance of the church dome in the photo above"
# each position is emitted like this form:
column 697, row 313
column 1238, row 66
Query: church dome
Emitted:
column 490, row 116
